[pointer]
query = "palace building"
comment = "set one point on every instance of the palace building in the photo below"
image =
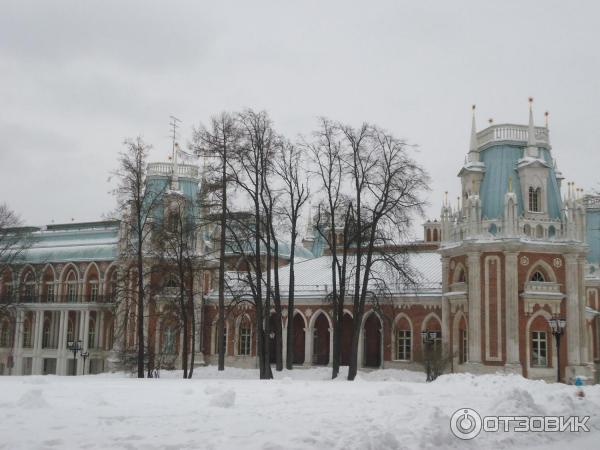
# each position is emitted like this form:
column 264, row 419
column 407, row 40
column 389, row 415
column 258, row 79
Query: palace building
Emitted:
column 519, row 249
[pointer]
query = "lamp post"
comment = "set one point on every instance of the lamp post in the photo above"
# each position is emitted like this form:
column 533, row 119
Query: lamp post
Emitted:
column 558, row 328
column 84, row 355
column 74, row 346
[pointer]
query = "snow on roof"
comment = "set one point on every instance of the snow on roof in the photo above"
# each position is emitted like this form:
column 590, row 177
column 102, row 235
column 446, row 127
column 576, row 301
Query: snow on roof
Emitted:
column 313, row 276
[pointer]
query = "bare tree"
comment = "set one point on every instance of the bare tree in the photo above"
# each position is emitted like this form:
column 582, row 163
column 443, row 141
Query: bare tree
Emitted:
column 174, row 239
column 220, row 140
column 250, row 170
column 288, row 166
column 387, row 187
column 14, row 240
column 333, row 215
column 137, row 206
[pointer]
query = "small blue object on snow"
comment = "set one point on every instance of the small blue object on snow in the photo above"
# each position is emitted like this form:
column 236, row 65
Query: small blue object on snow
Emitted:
column 578, row 381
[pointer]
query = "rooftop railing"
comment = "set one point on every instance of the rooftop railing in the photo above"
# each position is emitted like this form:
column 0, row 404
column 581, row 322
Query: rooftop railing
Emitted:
column 511, row 132
column 166, row 169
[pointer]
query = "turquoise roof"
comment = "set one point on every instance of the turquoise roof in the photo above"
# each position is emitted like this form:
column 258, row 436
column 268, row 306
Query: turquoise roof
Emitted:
column 90, row 241
column 593, row 235
column 500, row 164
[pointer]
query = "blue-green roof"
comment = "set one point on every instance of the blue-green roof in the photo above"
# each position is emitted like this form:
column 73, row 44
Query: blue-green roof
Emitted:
column 593, row 235
column 93, row 241
column 500, row 164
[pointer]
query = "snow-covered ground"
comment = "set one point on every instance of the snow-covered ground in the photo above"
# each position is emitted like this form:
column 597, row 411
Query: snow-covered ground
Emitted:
column 301, row 409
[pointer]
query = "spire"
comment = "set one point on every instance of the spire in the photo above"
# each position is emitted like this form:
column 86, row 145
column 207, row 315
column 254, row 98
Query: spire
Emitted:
column 473, row 146
column 473, row 155
column 531, row 131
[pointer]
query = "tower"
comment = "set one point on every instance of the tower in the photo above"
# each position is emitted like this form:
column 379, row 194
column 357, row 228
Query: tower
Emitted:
column 513, row 257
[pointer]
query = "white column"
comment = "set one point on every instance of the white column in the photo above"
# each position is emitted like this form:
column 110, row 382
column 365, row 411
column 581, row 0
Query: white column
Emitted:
column 283, row 345
column 445, row 309
column 361, row 348
column 308, row 346
column 18, row 343
column 573, row 316
column 330, row 363
column 60, row 352
column 36, row 366
column 85, row 343
column 512, row 308
column 474, row 307
column 583, row 332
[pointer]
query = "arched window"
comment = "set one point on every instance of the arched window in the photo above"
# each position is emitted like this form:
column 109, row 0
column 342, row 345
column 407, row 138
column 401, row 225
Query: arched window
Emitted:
column 403, row 343
column 493, row 229
column 538, row 276
column 245, row 340
column 535, row 199
column 92, row 334
column 29, row 289
column 27, row 333
column 5, row 334
column 72, row 287
column 435, row 235
column 461, row 276
column 169, row 341
column 46, row 334
column 70, row 331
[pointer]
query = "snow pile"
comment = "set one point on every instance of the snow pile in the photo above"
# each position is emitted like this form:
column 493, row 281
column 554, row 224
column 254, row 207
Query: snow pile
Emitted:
column 223, row 399
column 299, row 409
column 32, row 399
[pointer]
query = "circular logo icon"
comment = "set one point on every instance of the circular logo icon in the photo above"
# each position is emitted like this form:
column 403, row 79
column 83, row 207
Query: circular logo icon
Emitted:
column 465, row 423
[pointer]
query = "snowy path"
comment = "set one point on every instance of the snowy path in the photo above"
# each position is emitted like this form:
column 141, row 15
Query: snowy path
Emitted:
column 301, row 410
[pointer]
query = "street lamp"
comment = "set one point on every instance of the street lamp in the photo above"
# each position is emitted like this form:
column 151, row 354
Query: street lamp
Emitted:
column 84, row 355
column 558, row 328
column 74, row 346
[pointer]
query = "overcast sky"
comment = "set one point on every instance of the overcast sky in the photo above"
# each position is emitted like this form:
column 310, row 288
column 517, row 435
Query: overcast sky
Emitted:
column 78, row 77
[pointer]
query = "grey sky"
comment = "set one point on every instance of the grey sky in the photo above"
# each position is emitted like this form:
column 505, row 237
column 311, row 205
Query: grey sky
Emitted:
column 76, row 78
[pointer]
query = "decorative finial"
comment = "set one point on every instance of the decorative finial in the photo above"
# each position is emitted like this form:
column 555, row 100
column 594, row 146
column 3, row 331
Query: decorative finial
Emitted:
column 509, row 184
column 446, row 198
column 546, row 114
column 473, row 107
column 491, row 121
column 531, row 129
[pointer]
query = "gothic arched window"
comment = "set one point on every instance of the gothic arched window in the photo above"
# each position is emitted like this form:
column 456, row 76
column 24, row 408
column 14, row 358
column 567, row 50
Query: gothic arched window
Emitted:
column 535, row 199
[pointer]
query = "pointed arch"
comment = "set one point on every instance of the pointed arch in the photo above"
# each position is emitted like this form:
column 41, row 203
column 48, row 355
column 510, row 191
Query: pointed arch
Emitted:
column 372, row 339
column 25, row 271
column 88, row 271
column 459, row 275
column 243, row 337
column 460, row 337
column 550, row 343
column 315, row 315
column 541, row 266
column 302, row 316
column 402, row 342
column 431, row 316
column 111, row 280
column 67, row 270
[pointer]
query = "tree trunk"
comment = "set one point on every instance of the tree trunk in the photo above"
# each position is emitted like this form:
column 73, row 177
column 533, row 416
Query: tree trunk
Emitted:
column 140, row 308
column 221, row 320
